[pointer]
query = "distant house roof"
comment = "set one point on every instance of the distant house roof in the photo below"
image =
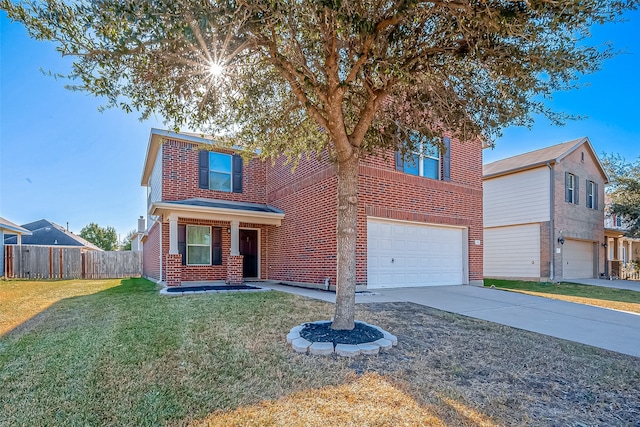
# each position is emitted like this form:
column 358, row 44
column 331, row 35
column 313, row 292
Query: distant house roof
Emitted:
column 537, row 158
column 11, row 228
column 47, row 233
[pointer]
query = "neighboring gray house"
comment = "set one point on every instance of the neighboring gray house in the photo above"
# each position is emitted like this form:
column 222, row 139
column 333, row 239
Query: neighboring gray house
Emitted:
column 8, row 227
column 544, row 214
column 47, row 233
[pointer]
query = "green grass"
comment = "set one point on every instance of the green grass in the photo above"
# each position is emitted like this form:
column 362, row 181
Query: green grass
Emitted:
column 118, row 353
column 619, row 299
column 128, row 356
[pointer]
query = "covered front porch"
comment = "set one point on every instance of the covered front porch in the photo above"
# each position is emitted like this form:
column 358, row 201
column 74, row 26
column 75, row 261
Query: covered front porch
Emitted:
column 214, row 240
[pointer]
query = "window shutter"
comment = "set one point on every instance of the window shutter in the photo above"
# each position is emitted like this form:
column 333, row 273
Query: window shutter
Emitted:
column 595, row 196
column 576, row 191
column 446, row 159
column 203, row 169
column 236, row 171
column 567, row 196
column 216, row 246
column 399, row 161
column 182, row 242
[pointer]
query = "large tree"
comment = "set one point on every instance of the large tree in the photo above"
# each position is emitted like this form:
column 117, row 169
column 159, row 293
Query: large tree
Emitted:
column 345, row 78
column 105, row 238
column 624, row 190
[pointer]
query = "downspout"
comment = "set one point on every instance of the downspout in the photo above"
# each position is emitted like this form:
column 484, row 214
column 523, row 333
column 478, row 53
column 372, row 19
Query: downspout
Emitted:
column 159, row 221
column 551, row 222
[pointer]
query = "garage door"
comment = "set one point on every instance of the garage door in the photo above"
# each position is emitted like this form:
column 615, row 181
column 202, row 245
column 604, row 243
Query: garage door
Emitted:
column 406, row 254
column 512, row 251
column 577, row 259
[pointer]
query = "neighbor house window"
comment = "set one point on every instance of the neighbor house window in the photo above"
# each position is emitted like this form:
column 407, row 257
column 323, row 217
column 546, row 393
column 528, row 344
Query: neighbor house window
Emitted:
column 571, row 188
column 198, row 245
column 427, row 161
column 592, row 195
column 220, row 171
column 617, row 220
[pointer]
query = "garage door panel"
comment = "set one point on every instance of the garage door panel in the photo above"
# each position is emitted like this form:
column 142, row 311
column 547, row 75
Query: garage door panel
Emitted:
column 577, row 259
column 418, row 255
column 512, row 251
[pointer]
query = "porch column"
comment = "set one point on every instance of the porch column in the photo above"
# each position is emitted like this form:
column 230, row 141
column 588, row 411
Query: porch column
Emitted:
column 19, row 240
column 173, row 234
column 235, row 238
column 235, row 260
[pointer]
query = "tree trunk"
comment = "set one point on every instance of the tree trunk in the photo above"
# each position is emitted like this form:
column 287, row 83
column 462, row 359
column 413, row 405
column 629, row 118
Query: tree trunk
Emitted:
column 346, row 243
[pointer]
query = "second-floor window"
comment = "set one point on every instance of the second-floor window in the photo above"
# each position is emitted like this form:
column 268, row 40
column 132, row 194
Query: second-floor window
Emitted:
column 592, row 195
column 220, row 171
column 571, row 188
column 427, row 161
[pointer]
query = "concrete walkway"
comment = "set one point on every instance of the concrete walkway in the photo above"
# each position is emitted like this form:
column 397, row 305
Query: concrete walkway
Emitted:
column 599, row 327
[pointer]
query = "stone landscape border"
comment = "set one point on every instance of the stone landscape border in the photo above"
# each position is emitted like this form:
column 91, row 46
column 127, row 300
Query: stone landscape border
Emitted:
column 301, row 345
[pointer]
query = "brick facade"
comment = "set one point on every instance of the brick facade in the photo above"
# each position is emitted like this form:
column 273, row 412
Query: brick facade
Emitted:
column 151, row 254
column 303, row 248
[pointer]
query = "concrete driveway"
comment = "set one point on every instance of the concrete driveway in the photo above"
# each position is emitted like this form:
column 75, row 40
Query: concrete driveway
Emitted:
column 599, row 327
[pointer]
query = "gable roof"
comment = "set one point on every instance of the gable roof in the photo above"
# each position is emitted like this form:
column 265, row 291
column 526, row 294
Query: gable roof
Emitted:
column 47, row 233
column 533, row 159
column 11, row 228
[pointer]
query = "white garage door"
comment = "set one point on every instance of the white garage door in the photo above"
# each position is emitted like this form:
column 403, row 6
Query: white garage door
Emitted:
column 577, row 259
column 512, row 251
column 406, row 254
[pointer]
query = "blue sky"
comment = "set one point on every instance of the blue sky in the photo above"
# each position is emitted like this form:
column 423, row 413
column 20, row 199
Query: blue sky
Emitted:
column 63, row 160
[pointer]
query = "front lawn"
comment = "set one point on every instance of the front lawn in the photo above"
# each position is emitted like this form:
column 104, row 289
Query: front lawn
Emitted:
column 120, row 354
column 617, row 299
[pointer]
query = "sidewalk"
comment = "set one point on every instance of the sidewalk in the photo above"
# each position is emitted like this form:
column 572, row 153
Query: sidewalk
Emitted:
column 618, row 284
column 599, row 327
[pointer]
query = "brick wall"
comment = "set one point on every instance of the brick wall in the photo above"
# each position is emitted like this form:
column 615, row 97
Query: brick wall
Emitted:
column 180, row 176
column 191, row 273
column 308, row 199
column 151, row 254
column 576, row 220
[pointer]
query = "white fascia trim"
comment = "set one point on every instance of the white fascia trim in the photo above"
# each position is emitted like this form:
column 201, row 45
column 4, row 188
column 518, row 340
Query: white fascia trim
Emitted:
column 217, row 214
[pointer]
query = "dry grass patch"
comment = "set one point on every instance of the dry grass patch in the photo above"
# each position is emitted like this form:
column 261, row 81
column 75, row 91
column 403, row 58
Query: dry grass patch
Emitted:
column 368, row 400
column 21, row 300
column 630, row 307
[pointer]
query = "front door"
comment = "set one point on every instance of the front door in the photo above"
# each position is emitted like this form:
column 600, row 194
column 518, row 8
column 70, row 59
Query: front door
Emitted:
column 249, row 249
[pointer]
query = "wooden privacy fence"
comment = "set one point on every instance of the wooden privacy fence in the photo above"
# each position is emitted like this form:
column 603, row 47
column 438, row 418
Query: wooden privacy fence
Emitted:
column 48, row 262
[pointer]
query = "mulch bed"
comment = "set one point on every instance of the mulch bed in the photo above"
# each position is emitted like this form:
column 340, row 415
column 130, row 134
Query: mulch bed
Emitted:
column 322, row 332
column 211, row 288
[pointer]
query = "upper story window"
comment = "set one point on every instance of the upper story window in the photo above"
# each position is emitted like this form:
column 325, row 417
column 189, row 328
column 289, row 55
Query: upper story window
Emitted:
column 592, row 195
column 427, row 161
column 617, row 220
column 220, row 171
column 571, row 188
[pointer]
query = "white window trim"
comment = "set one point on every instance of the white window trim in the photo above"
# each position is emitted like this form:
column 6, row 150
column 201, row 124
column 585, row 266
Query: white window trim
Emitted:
column 187, row 244
column 220, row 172
column 590, row 194
column 571, row 186
column 422, row 156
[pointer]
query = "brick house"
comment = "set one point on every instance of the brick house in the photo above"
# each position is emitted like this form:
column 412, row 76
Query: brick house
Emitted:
column 544, row 214
column 213, row 216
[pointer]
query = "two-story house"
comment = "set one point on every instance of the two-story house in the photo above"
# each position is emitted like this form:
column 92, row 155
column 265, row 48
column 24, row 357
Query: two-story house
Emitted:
column 544, row 214
column 621, row 250
column 213, row 216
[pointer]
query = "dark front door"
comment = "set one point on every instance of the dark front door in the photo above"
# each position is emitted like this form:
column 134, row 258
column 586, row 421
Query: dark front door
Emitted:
column 249, row 249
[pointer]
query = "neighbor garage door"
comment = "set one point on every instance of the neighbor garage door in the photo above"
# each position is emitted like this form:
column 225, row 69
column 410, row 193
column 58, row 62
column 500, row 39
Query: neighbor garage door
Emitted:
column 577, row 259
column 512, row 251
column 401, row 254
